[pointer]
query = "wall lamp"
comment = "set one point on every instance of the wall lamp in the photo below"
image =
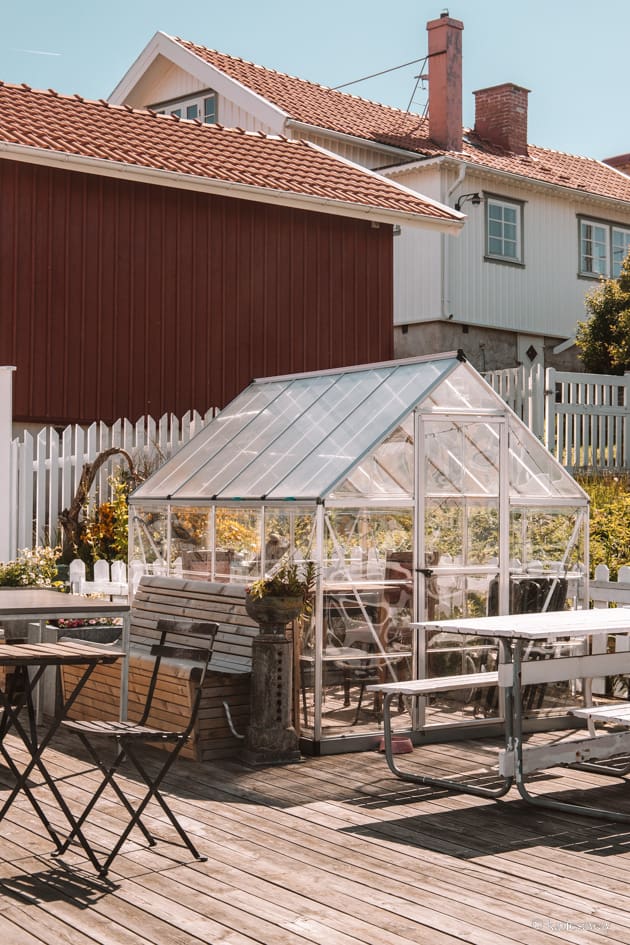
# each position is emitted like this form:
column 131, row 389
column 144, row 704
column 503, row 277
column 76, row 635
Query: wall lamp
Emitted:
column 475, row 200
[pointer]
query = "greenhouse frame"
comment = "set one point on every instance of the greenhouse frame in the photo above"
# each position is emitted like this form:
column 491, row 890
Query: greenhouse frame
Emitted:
column 417, row 493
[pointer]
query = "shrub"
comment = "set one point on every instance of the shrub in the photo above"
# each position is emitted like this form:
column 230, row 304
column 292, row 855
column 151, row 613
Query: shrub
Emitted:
column 32, row 567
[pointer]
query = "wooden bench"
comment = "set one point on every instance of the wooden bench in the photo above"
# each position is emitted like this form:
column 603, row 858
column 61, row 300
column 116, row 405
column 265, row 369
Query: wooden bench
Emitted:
column 227, row 681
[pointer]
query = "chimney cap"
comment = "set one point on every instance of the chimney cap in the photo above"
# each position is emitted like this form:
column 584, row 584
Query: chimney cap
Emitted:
column 503, row 85
column 444, row 18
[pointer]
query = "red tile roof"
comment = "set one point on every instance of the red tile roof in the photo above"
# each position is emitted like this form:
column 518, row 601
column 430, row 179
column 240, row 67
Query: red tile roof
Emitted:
column 338, row 111
column 143, row 139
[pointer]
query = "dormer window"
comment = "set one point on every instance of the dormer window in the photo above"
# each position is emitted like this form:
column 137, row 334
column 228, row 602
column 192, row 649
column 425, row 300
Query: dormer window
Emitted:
column 200, row 107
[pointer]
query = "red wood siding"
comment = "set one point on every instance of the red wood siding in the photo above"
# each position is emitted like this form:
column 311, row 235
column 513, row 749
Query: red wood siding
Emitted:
column 120, row 299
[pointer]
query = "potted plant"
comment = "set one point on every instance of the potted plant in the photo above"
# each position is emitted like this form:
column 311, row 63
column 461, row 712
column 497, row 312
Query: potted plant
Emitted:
column 276, row 600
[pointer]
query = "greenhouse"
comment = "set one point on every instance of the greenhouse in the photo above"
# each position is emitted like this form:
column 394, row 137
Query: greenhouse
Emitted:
column 415, row 491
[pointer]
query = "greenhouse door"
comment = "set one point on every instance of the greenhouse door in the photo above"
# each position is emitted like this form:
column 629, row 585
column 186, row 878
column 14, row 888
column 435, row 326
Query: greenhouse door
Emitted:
column 459, row 534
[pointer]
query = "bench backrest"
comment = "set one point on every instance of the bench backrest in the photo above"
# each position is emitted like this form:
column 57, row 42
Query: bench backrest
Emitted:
column 159, row 598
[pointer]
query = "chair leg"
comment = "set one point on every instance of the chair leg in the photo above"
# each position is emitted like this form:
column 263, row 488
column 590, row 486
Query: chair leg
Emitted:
column 153, row 792
column 108, row 772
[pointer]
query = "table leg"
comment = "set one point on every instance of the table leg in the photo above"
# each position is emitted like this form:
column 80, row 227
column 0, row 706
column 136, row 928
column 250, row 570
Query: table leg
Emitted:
column 36, row 750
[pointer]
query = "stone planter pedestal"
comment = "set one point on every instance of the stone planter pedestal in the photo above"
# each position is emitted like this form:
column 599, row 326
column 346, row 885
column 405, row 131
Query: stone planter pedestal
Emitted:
column 271, row 738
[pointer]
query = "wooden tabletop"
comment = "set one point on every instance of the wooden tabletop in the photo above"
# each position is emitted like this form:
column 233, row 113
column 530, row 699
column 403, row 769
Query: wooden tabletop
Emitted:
column 42, row 603
column 56, row 654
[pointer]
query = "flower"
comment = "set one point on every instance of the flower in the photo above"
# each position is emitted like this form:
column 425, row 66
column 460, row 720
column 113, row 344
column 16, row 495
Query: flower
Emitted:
column 34, row 567
column 69, row 623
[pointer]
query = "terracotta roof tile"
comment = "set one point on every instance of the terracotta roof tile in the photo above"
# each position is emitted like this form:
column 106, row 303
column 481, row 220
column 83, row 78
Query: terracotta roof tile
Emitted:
column 141, row 138
column 338, row 111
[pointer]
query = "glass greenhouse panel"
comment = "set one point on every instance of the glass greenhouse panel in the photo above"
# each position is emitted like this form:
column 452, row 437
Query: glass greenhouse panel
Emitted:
column 462, row 392
column 203, row 447
column 387, row 473
column 452, row 595
column 547, row 537
column 289, row 536
column 237, row 544
column 258, row 447
column 461, row 532
column 191, row 540
column 149, row 535
column 383, row 408
column 533, row 471
column 461, row 457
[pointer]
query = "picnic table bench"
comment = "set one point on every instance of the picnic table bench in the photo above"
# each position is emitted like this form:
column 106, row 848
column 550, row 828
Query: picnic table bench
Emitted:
column 227, row 681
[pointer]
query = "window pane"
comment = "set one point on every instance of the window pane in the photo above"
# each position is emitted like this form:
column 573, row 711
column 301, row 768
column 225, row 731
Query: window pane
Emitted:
column 210, row 109
column 509, row 214
column 503, row 230
column 620, row 249
column 192, row 111
column 594, row 249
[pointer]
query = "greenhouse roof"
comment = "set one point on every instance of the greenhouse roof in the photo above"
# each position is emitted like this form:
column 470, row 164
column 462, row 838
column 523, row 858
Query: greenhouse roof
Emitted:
column 296, row 437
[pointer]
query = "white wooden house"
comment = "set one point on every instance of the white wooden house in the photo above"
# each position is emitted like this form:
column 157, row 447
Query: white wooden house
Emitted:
column 542, row 225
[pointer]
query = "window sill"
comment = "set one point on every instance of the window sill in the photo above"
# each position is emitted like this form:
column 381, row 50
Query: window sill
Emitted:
column 514, row 263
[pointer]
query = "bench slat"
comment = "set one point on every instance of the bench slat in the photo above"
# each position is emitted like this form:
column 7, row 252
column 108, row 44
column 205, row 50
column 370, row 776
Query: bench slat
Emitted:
column 619, row 712
column 422, row 687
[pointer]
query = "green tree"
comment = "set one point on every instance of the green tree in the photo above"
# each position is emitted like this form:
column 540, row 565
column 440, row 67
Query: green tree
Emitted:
column 604, row 338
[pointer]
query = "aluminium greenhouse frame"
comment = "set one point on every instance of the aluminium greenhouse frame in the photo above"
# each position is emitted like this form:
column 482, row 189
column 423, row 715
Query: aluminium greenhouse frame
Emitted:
column 371, row 457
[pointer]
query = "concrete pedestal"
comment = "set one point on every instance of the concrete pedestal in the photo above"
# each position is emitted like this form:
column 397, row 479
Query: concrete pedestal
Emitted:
column 271, row 738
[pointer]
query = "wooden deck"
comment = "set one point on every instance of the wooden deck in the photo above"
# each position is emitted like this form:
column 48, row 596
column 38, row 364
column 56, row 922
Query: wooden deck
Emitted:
column 332, row 851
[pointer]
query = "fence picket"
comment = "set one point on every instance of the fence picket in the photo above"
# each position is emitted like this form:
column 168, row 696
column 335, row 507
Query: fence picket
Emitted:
column 45, row 472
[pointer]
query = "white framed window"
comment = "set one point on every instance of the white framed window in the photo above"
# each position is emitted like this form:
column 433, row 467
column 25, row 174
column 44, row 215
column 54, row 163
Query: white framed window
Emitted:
column 603, row 248
column 504, row 230
column 620, row 249
column 201, row 107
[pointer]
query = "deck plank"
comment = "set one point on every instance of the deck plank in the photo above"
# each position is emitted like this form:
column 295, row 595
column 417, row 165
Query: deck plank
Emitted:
column 331, row 851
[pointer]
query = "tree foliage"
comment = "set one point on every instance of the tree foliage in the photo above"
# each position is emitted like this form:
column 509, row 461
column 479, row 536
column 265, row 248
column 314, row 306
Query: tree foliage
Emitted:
column 604, row 338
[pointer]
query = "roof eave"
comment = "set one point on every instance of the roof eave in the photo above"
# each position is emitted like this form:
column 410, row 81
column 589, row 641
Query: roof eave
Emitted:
column 155, row 176
column 482, row 170
column 349, row 139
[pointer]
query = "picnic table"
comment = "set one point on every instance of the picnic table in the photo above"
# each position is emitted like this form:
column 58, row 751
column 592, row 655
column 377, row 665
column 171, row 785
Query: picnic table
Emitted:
column 514, row 634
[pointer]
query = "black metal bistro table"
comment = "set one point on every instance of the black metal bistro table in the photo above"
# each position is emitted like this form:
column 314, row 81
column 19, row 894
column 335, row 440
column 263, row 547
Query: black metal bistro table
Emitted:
column 24, row 665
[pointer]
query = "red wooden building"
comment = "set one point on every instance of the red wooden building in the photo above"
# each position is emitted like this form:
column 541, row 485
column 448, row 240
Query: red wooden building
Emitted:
column 152, row 265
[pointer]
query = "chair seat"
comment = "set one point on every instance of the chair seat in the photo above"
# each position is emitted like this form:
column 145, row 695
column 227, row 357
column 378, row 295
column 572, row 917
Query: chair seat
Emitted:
column 115, row 729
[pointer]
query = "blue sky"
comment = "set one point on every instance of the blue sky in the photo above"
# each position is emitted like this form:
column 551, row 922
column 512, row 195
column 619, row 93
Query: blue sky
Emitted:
column 571, row 54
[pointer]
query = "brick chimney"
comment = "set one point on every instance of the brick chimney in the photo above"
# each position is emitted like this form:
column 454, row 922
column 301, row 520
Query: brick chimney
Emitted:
column 501, row 116
column 445, row 82
column 620, row 162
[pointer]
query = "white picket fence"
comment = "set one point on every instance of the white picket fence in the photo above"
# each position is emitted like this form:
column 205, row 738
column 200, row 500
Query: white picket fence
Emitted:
column 583, row 419
column 522, row 388
column 45, row 469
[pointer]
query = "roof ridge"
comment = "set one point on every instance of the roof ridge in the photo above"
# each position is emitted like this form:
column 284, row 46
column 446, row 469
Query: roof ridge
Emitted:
column 295, row 78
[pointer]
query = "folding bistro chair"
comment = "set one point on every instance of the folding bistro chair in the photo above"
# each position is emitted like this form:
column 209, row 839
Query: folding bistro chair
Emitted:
column 181, row 641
